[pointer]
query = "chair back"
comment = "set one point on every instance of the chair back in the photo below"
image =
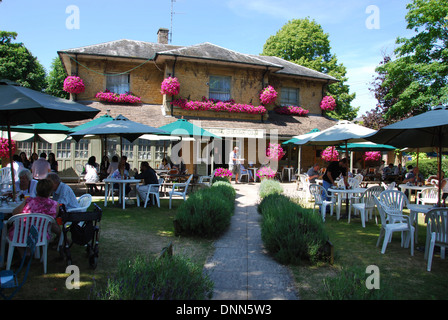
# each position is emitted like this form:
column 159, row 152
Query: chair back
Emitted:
column 305, row 181
column 84, row 202
column 394, row 201
column 318, row 192
column 353, row 182
column 22, row 224
column 5, row 175
column 156, row 187
column 429, row 195
column 359, row 177
column 381, row 210
column 341, row 183
column 372, row 192
column 438, row 222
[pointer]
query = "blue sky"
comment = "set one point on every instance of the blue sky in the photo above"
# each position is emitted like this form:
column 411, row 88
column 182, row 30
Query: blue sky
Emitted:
column 240, row 25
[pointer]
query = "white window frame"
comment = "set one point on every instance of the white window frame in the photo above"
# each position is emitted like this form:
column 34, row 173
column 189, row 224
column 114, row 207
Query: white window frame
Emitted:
column 118, row 83
column 223, row 91
column 286, row 100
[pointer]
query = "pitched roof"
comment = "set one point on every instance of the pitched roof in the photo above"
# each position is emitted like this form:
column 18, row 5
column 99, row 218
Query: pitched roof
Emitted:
column 133, row 49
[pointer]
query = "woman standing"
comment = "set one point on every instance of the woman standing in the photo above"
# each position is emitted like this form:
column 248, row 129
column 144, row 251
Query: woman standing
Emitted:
column 92, row 176
column 53, row 162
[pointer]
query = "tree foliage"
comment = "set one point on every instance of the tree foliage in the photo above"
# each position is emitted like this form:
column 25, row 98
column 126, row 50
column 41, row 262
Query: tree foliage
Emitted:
column 55, row 80
column 18, row 64
column 303, row 41
column 417, row 79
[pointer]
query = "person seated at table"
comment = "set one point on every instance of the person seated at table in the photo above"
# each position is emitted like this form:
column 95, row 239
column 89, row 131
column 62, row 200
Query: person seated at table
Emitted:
column 40, row 204
column 413, row 177
column 388, row 173
column 313, row 173
column 112, row 166
column 444, row 187
column 26, row 186
column 249, row 172
column 334, row 170
column 399, row 171
column 127, row 166
column 62, row 193
column 121, row 173
column 165, row 165
column 148, row 176
column 41, row 167
column 92, row 176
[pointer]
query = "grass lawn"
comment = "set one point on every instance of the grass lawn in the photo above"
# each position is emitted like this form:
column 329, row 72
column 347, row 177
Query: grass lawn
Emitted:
column 404, row 275
column 125, row 233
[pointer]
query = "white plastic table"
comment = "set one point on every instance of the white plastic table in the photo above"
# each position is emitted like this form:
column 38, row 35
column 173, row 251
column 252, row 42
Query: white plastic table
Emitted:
column 346, row 192
column 109, row 182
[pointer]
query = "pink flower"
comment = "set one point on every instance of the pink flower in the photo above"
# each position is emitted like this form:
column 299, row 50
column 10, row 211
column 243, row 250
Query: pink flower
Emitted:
column 218, row 106
column 170, row 86
column 222, row 172
column 328, row 103
column 372, row 156
column 266, row 172
column 268, row 95
column 292, row 110
column 330, row 154
column 274, row 151
column 127, row 97
column 4, row 147
column 73, row 84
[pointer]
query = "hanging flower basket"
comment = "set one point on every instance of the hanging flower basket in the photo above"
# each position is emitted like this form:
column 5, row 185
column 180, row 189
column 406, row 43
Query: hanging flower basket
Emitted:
column 372, row 156
column 265, row 173
column 218, row 106
column 274, row 151
column 73, row 84
column 330, row 154
column 108, row 96
column 268, row 95
column 4, row 147
column 170, row 86
column 328, row 103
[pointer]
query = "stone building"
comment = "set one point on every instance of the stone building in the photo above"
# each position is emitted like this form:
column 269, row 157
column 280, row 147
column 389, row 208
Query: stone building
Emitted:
column 203, row 70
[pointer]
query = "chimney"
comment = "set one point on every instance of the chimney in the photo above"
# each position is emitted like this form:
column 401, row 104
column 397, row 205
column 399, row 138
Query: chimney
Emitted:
column 162, row 36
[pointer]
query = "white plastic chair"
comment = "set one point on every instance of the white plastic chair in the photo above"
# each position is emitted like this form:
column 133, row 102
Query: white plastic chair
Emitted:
column 154, row 190
column 21, row 224
column 305, row 181
column 428, row 196
column 394, row 202
column 437, row 234
column 243, row 173
column 388, row 227
column 176, row 191
column 84, row 203
column 366, row 204
column 320, row 199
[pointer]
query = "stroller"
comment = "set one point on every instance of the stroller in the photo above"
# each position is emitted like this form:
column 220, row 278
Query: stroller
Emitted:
column 84, row 228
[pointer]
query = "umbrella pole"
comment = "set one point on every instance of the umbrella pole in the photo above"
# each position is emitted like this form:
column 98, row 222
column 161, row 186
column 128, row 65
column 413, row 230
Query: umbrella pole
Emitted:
column 11, row 163
column 439, row 202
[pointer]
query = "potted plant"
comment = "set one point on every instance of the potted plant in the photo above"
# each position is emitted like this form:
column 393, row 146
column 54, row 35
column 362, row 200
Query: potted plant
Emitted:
column 328, row 103
column 170, row 86
column 330, row 154
column 268, row 95
column 223, row 173
column 265, row 173
column 73, row 84
column 275, row 151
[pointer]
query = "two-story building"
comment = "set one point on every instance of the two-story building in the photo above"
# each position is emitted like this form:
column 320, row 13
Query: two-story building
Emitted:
column 204, row 71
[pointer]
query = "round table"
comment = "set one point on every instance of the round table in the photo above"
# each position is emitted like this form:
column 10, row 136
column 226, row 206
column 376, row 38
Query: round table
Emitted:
column 340, row 192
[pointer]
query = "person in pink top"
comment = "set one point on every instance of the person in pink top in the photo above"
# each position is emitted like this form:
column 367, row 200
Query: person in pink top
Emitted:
column 41, row 167
column 40, row 204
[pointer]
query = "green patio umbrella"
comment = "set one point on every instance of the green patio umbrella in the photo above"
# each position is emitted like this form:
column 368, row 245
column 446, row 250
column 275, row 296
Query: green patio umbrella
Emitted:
column 104, row 118
column 183, row 127
column 366, row 146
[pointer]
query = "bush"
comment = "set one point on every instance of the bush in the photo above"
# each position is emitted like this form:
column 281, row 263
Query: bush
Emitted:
column 269, row 186
column 291, row 233
column 165, row 278
column 222, row 179
column 207, row 212
column 429, row 167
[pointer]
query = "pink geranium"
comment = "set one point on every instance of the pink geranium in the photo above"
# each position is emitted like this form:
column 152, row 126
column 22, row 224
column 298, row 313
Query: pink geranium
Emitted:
column 4, row 147
column 223, row 173
column 218, row 106
column 372, row 156
column 274, row 151
column 292, row 110
column 266, row 172
column 330, row 154
column 170, row 86
column 328, row 103
column 127, row 97
column 268, row 95
column 73, row 84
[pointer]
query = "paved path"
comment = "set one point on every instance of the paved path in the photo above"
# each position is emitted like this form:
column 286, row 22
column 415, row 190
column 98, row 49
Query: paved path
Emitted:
column 240, row 266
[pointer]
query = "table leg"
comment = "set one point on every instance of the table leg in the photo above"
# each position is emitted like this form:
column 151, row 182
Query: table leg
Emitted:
column 106, row 194
column 3, row 243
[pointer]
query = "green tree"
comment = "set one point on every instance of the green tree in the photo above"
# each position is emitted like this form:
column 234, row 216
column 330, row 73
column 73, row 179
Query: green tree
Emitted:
column 18, row 64
column 417, row 79
column 304, row 42
column 55, row 80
